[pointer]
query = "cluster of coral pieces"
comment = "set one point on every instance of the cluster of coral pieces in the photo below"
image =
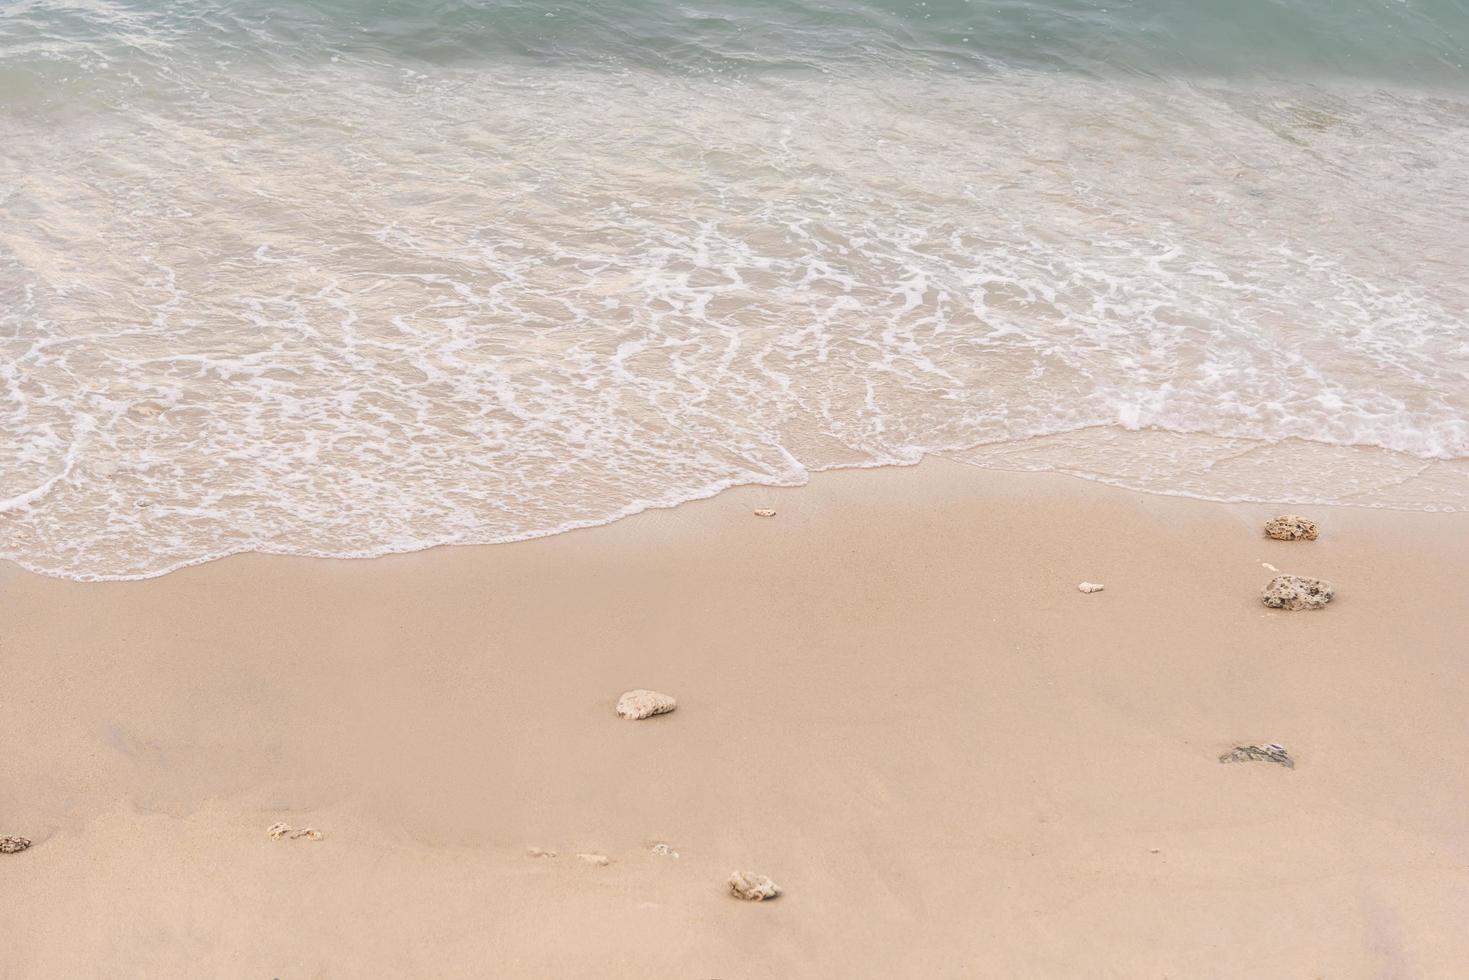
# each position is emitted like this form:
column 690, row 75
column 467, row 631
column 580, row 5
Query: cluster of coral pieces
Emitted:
column 1290, row 592
column 1293, row 592
column 639, row 704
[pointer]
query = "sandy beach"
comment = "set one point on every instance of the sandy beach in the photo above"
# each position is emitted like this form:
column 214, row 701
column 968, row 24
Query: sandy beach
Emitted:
column 735, row 490
column 893, row 701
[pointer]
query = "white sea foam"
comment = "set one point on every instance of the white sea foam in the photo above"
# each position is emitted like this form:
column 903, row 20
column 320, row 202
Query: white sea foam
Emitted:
column 349, row 310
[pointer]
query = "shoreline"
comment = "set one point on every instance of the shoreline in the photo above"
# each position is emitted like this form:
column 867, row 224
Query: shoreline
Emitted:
column 892, row 700
column 1186, row 454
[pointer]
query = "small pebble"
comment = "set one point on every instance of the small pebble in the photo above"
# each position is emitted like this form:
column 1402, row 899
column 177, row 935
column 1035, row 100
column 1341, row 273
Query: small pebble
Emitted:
column 765, row 513
column 752, row 887
column 1089, row 587
column 635, row 705
column 600, row 860
column 664, row 850
column 539, row 852
column 13, row 845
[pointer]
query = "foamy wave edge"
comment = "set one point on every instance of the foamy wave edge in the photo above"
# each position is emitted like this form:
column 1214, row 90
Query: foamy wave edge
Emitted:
column 1131, row 483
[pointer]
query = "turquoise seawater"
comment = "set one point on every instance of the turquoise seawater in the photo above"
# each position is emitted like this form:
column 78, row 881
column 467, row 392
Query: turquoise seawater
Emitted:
column 1417, row 41
column 339, row 277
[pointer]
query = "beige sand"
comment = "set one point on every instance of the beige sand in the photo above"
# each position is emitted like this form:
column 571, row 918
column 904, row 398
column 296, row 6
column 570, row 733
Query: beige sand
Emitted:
column 892, row 700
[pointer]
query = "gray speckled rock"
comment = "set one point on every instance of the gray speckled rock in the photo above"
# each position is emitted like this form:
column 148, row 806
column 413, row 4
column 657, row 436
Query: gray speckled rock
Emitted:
column 1260, row 753
column 13, row 845
column 1291, row 527
column 752, row 887
column 1297, row 592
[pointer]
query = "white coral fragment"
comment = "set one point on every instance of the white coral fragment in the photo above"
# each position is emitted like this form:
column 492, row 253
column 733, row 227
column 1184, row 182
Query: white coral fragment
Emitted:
column 752, row 887
column 639, row 704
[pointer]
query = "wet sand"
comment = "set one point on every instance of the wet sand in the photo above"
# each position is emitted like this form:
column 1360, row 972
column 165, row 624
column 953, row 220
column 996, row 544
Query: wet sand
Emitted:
column 892, row 700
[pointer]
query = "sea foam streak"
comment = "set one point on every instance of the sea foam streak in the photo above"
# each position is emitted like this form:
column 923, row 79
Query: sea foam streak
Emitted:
column 359, row 308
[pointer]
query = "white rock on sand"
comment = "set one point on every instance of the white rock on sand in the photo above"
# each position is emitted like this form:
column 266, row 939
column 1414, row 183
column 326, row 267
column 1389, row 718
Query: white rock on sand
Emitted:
column 539, row 852
column 752, row 887
column 600, row 860
column 1297, row 592
column 664, row 850
column 639, row 704
column 1089, row 587
column 765, row 512
column 1291, row 527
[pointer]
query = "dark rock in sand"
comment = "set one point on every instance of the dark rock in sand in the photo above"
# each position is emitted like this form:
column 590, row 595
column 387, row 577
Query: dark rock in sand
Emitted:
column 1297, row 592
column 12, row 845
column 1259, row 753
column 1290, row 527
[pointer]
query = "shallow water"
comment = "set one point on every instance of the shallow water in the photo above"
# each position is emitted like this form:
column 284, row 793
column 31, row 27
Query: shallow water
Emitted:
column 344, row 279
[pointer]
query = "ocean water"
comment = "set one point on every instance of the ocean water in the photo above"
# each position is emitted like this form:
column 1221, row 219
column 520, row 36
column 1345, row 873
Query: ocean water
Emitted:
column 339, row 277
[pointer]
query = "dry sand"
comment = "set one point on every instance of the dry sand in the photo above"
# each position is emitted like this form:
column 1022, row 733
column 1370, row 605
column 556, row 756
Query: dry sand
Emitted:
column 892, row 700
